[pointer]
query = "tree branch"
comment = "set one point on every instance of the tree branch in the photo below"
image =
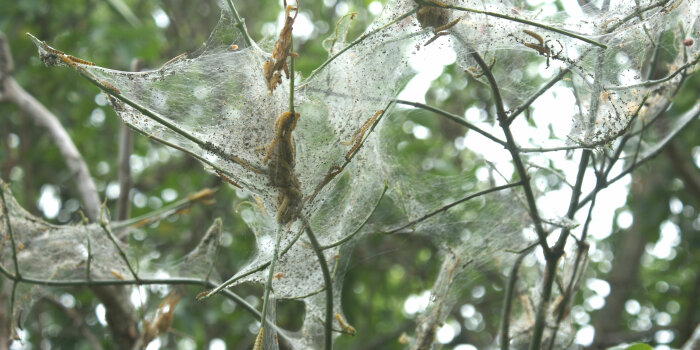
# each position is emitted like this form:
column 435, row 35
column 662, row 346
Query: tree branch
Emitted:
column 455, row 118
column 448, row 206
column 13, row 92
column 511, row 146
column 126, row 147
column 78, row 323
column 328, row 284
column 694, row 341
column 685, row 119
column 507, row 301
column 684, row 169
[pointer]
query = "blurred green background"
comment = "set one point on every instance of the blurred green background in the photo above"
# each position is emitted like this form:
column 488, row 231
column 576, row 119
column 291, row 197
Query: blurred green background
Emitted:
column 664, row 294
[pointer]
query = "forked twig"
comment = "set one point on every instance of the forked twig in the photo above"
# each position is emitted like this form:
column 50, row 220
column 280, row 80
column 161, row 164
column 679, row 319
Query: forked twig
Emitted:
column 240, row 23
column 104, row 224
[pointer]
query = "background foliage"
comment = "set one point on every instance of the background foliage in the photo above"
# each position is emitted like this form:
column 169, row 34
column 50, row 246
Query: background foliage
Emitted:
column 652, row 297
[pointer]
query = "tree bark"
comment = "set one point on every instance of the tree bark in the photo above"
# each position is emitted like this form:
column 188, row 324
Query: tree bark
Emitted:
column 648, row 212
column 5, row 315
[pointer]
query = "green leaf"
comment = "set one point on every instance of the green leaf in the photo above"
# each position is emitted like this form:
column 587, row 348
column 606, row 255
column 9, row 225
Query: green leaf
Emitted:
column 639, row 346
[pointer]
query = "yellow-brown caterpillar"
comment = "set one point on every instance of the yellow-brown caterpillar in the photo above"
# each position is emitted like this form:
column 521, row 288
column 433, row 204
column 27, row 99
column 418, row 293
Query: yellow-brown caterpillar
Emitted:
column 202, row 295
column 117, row 274
column 357, row 137
column 110, row 87
column 227, row 179
column 543, row 47
column 259, row 339
column 347, row 329
column 534, row 35
column 80, row 60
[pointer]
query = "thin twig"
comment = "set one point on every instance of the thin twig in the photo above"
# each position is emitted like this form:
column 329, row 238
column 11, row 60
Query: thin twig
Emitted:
column 507, row 301
column 231, row 281
column 240, row 23
column 575, row 196
column 457, row 119
column 206, row 145
column 355, row 42
column 536, row 95
column 637, row 13
column 204, row 195
column 260, row 267
column 563, row 306
column 556, row 253
column 335, row 170
column 553, row 172
column 264, row 265
column 589, row 217
column 328, row 324
column 130, row 282
column 686, row 118
column 351, row 235
column 538, row 329
column 550, row 149
column 270, row 276
column 514, row 19
column 126, row 147
column 648, row 83
column 104, row 224
column 448, row 206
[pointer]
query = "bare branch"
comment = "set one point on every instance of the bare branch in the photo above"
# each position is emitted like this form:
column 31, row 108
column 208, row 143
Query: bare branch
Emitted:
column 684, row 120
column 328, row 286
column 42, row 116
column 537, row 94
column 7, row 65
column 126, row 147
column 507, row 301
column 511, row 146
column 454, row 118
column 78, row 323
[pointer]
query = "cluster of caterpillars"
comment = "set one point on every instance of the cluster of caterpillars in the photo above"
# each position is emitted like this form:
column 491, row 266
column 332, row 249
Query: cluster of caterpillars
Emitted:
column 435, row 15
column 281, row 156
column 280, row 153
column 272, row 68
